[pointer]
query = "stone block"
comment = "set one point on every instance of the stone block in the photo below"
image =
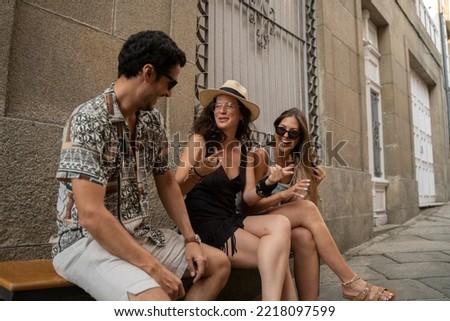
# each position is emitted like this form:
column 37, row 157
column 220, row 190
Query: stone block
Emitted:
column 402, row 199
column 56, row 65
column 339, row 144
column 96, row 14
column 402, row 106
column 29, row 157
column 137, row 15
column 348, row 107
column 346, row 204
column 327, row 103
column 342, row 62
column 6, row 26
column 184, row 26
column 400, row 77
column 325, row 41
column 344, row 27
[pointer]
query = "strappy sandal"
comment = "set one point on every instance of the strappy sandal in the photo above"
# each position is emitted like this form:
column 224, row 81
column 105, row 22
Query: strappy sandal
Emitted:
column 370, row 293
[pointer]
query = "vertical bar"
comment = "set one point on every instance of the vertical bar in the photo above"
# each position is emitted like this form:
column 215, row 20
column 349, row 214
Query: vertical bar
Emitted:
column 224, row 60
column 240, row 41
column 232, row 48
column 247, row 43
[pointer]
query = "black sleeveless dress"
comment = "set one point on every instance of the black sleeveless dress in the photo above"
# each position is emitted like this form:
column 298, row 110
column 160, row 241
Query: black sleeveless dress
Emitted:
column 211, row 205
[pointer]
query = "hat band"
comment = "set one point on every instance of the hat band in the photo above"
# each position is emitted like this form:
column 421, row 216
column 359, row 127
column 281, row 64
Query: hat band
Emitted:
column 232, row 91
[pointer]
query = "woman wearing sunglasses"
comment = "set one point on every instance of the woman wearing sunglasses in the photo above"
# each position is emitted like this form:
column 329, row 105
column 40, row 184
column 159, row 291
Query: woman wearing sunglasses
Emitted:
column 295, row 196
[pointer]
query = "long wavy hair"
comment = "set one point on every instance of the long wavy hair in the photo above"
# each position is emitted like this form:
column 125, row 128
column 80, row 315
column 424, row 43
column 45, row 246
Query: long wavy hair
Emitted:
column 205, row 125
column 304, row 153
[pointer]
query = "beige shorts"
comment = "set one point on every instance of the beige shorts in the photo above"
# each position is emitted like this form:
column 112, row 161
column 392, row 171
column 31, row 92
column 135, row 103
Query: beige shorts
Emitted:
column 106, row 277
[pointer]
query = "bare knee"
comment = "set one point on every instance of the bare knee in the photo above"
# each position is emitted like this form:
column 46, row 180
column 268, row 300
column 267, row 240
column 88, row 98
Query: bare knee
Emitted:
column 307, row 208
column 218, row 262
column 302, row 238
column 304, row 205
column 280, row 223
column 281, row 230
column 222, row 264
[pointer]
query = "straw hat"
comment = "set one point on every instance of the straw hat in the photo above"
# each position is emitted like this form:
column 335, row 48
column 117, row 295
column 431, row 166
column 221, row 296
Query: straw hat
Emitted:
column 231, row 88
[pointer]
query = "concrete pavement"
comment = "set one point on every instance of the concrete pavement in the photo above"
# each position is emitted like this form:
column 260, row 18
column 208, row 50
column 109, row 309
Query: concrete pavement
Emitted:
column 412, row 258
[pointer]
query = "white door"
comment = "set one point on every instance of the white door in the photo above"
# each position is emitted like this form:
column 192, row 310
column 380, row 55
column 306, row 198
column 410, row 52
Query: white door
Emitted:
column 423, row 147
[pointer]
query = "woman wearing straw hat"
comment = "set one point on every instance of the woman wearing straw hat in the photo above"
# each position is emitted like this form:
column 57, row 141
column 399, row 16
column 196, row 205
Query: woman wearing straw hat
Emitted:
column 214, row 166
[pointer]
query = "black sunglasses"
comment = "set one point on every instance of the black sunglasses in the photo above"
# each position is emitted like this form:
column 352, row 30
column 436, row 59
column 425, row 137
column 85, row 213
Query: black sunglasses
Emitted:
column 172, row 82
column 292, row 134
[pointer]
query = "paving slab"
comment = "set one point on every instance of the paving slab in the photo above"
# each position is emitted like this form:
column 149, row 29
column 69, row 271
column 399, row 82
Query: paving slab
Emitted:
column 426, row 230
column 439, row 284
column 419, row 257
column 367, row 260
column 405, row 243
column 414, row 270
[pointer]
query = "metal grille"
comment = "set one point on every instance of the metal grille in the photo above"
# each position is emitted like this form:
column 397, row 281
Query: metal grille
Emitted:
column 201, row 56
column 311, row 54
column 268, row 46
column 374, row 102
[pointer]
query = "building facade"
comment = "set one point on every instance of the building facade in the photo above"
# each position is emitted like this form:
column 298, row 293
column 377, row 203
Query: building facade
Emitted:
column 370, row 74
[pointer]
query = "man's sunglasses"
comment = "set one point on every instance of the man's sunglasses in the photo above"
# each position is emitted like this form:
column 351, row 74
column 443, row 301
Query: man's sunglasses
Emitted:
column 172, row 82
column 292, row 134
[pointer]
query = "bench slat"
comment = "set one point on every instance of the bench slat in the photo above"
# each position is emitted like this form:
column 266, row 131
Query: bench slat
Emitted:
column 16, row 276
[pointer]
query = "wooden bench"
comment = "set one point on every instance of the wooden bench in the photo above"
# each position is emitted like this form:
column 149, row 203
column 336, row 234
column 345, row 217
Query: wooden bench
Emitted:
column 36, row 280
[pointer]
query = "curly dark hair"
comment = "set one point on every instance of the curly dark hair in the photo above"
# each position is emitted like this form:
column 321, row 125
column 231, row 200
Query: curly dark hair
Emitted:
column 149, row 47
column 304, row 152
column 206, row 126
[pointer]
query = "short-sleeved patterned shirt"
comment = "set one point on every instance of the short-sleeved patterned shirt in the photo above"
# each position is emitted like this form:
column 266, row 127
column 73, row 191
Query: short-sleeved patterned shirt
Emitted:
column 95, row 147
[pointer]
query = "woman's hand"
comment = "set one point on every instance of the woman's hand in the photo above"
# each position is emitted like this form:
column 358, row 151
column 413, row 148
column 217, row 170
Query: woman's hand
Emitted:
column 320, row 173
column 277, row 173
column 209, row 164
column 297, row 190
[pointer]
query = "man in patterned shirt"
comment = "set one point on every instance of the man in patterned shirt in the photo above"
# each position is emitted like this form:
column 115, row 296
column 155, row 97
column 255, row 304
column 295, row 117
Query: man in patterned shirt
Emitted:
column 106, row 242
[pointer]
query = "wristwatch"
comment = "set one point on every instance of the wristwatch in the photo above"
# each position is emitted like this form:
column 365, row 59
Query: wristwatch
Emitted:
column 194, row 238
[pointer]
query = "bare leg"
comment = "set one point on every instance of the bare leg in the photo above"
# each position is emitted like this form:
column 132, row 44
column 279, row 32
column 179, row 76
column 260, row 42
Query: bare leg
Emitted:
column 207, row 288
column 306, row 264
column 214, row 279
column 305, row 213
column 154, row 294
column 289, row 293
column 265, row 244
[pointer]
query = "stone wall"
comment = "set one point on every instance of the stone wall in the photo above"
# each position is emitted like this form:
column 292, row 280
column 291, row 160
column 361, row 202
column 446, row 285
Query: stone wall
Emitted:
column 55, row 55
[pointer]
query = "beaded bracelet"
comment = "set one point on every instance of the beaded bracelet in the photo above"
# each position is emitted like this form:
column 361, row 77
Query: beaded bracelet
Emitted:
column 264, row 190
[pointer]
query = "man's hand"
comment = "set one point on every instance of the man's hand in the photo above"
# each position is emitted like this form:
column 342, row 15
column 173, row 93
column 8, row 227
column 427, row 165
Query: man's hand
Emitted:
column 169, row 282
column 197, row 262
